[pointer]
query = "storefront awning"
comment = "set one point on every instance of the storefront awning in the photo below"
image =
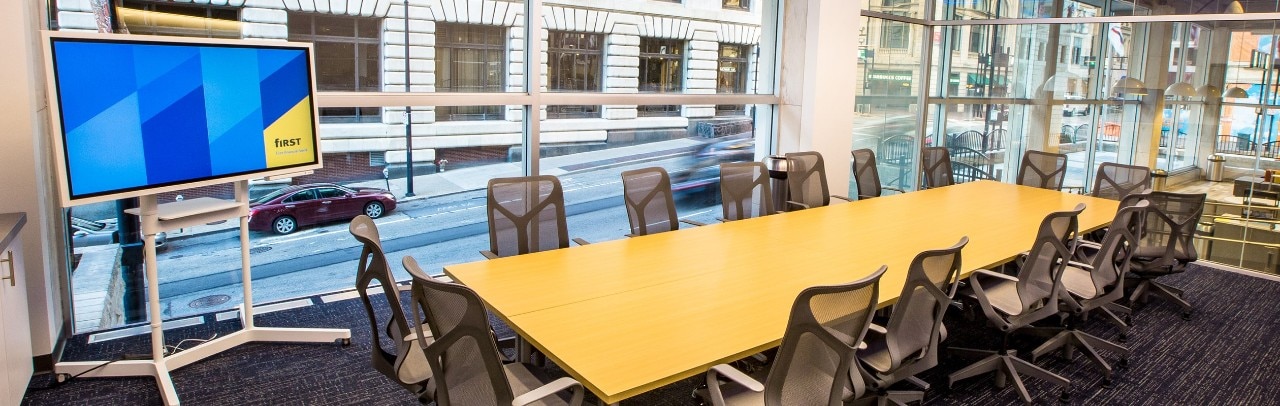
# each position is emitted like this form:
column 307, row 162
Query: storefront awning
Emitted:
column 981, row 80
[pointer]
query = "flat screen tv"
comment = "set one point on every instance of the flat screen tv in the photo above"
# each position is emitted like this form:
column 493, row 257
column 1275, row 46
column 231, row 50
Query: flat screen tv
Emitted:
column 139, row 115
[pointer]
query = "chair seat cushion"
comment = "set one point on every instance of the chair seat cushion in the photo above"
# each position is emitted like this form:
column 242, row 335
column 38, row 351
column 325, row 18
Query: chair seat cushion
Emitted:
column 1079, row 282
column 1003, row 295
column 414, row 368
column 524, row 378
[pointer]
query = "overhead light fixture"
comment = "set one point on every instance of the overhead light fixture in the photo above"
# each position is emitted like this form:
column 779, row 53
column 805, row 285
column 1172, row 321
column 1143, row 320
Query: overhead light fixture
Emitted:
column 1209, row 92
column 1128, row 85
column 1236, row 92
column 1234, row 8
column 1180, row 89
column 1058, row 82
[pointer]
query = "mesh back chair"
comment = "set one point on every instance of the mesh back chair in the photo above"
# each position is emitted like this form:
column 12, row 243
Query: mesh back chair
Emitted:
column 1097, row 286
column 744, row 190
column 526, row 214
column 1165, row 245
column 464, row 358
column 1012, row 303
column 1116, row 181
column 910, row 343
column 1043, row 170
column 646, row 193
column 867, row 174
column 395, row 350
column 807, row 181
column 814, row 363
column 937, row 167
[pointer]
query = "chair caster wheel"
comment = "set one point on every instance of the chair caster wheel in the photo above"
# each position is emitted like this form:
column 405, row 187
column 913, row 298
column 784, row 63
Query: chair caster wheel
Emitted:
column 345, row 342
column 1106, row 383
column 1186, row 315
column 61, row 378
column 1124, row 338
column 1123, row 363
column 1065, row 397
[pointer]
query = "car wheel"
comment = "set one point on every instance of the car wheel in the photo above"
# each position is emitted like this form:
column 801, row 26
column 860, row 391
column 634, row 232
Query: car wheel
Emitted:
column 284, row 225
column 373, row 210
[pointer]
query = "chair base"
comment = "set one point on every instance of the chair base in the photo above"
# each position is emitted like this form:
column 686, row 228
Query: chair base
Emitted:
column 1147, row 287
column 1007, row 366
column 1070, row 339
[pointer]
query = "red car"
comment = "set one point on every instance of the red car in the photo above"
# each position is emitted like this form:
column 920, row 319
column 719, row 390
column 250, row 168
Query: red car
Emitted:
column 282, row 211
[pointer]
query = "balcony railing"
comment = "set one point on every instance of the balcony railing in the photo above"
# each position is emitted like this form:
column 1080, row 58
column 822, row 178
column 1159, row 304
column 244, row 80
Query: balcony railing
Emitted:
column 1236, row 145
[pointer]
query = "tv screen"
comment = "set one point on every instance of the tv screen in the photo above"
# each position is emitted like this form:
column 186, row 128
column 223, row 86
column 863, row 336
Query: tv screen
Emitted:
column 140, row 115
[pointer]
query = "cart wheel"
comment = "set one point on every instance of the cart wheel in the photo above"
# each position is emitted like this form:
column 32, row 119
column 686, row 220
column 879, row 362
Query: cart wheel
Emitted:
column 346, row 342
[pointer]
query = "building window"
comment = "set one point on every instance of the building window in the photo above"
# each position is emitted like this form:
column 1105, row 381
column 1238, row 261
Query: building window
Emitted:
column 574, row 64
column 737, row 4
column 977, row 39
column 183, row 20
column 661, row 71
column 348, row 58
column 470, row 58
column 894, row 35
column 731, row 76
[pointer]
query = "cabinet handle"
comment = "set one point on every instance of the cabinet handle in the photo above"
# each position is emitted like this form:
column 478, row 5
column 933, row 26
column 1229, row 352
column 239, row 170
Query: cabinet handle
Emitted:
column 8, row 257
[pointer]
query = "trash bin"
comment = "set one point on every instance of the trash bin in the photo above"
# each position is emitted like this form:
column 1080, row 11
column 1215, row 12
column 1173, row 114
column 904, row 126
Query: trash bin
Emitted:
column 777, row 165
column 1158, row 179
column 1213, row 171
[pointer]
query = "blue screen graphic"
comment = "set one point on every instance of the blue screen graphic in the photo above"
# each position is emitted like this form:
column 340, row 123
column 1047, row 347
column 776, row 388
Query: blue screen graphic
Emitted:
column 137, row 115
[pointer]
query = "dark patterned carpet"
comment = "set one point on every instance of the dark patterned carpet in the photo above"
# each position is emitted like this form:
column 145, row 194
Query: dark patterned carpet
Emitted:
column 1224, row 355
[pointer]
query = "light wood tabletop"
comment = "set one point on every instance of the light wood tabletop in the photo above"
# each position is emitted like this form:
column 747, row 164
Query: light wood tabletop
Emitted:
column 630, row 315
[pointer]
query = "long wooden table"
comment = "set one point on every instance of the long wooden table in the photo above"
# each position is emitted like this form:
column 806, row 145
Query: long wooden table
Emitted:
column 630, row 315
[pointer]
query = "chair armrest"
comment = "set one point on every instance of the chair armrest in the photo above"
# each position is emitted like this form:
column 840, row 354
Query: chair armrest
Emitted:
column 733, row 374
column 580, row 241
column 899, row 190
column 489, row 254
column 1073, row 189
column 404, row 288
column 628, row 235
column 550, row 389
column 1080, row 265
column 413, row 335
column 796, row 205
column 845, row 198
column 693, row 222
column 877, row 328
column 992, row 274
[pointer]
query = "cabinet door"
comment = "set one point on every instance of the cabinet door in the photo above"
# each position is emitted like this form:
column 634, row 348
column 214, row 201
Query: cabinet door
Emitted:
column 17, row 331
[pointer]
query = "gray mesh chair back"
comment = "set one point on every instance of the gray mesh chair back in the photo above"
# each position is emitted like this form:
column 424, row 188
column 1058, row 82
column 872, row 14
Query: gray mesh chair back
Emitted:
column 744, row 190
column 807, row 179
column 1116, row 181
column 392, row 356
column 866, row 174
column 914, row 327
column 647, row 195
column 526, row 214
column 464, row 358
column 819, row 346
column 1170, row 228
column 1038, row 278
column 1117, row 248
column 937, row 167
column 1043, row 170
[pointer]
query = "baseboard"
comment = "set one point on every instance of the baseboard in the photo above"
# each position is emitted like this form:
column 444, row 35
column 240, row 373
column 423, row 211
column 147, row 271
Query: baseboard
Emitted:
column 43, row 364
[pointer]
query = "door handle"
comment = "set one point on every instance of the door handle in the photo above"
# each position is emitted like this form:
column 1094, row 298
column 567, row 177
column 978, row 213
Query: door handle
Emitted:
column 290, row 206
column 326, row 202
column 8, row 257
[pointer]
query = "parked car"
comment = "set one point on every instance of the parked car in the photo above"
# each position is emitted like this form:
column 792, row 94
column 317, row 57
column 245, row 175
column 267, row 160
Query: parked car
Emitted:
column 85, row 232
column 284, row 210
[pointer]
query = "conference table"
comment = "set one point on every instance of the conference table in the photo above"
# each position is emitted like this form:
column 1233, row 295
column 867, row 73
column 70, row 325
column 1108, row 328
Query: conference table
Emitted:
column 627, row 316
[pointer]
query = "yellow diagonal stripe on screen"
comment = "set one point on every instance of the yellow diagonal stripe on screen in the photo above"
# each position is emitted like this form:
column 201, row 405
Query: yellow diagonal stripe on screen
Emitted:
column 288, row 141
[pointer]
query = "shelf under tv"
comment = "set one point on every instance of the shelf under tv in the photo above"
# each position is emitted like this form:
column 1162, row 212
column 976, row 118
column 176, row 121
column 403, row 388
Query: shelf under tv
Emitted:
column 160, row 217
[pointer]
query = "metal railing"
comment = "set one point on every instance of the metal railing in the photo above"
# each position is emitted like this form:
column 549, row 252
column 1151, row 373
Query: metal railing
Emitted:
column 1237, row 145
column 1243, row 236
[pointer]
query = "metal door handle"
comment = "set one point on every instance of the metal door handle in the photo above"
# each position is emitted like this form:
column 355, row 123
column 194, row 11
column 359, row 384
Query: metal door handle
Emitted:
column 326, row 202
column 8, row 257
column 289, row 206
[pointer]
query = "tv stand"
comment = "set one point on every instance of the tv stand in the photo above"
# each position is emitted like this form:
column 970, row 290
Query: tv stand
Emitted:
column 159, row 217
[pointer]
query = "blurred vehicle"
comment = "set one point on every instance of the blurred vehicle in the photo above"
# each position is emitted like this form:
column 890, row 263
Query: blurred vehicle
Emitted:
column 703, row 173
column 1070, row 109
column 85, row 232
column 284, row 210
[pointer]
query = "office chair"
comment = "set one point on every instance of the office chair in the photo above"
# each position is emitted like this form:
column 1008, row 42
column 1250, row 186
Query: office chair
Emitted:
column 464, row 358
column 646, row 193
column 1012, row 303
column 910, row 343
column 404, row 362
column 1116, row 181
column 1096, row 286
column 816, row 361
column 937, row 167
column 744, row 190
column 868, row 175
column 1166, row 246
column 807, row 181
column 526, row 214
column 1041, row 169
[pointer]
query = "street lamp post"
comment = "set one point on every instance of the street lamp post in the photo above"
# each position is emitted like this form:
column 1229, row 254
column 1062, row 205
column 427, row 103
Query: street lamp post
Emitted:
column 408, row 113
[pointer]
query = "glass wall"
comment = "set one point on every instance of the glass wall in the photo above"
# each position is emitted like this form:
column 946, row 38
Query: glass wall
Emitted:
column 609, row 77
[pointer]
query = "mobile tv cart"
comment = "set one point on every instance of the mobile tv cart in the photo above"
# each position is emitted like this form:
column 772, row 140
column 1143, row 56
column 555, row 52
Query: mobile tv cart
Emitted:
column 159, row 217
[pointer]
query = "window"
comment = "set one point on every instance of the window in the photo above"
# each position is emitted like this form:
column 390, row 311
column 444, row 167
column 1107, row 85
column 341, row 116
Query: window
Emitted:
column 737, row 4
column 179, row 20
column 731, row 76
column 574, row 65
column 978, row 38
column 348, row 58
column 329, row 192
column 469, row 58
column 302, row 196
column 661, row 72
column 893, row 35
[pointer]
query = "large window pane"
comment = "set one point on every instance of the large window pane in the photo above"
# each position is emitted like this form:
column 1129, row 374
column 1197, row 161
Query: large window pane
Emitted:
column 888, row 110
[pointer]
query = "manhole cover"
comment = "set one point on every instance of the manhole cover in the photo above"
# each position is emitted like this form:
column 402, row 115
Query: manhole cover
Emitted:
column 209, row 301
column 259, row 250
column 175, row 256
